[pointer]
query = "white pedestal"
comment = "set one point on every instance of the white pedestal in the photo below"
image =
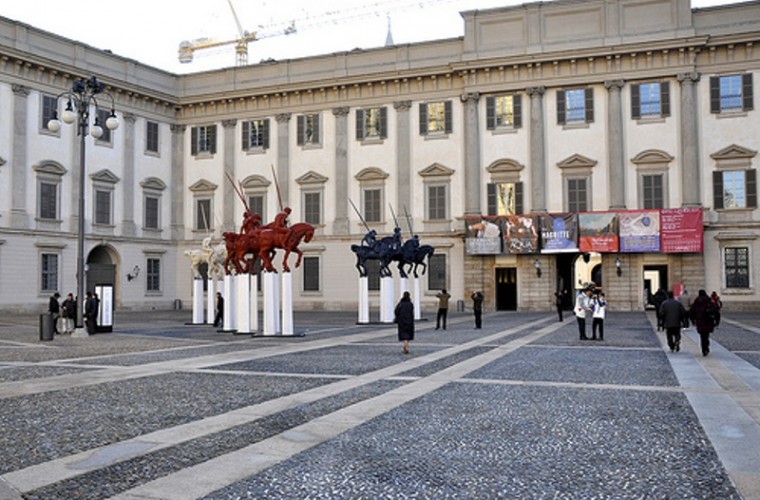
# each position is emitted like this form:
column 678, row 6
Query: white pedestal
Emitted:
column 254, row 303
column 363, row 300
column 387, row 296
column 403, row 286
column 210, row 301
column 198, row 301
column 270, row 303
column 243, row 299
column 286, row 282
column 417, row 299
column 230, row 313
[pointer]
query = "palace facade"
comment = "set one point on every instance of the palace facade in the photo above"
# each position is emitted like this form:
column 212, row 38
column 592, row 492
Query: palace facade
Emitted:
column 569, row 106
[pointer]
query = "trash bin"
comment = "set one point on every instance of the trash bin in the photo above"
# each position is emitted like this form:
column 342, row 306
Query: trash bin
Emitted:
column 460, row 305
column 177, row 305
column 46, row 327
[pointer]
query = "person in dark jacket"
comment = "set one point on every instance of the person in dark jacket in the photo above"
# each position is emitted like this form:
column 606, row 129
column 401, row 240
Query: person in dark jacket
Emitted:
column 672, row 313
column 659, row 297
column 69, row 314
column 477, row 308
column 91, row 312
column 219, row 318
column 54, row 308
column 702, row 320
column 404, row 318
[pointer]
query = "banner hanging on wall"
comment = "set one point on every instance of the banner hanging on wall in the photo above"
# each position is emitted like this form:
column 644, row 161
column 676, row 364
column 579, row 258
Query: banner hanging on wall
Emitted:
column 520, row 234
column 682, row 230
column 598, row 232
column 639, row 231
column 559, row 233
column 483, row 236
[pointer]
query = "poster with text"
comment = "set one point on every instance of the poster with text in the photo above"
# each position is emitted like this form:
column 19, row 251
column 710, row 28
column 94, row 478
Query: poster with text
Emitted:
column 681, row 230
column 598, row 232
column 639, row 231
column 483, row 236
column 520, row 234
column 559, row 233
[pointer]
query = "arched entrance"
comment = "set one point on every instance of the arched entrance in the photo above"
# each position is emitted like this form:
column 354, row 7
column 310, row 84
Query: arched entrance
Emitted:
column 101, row 268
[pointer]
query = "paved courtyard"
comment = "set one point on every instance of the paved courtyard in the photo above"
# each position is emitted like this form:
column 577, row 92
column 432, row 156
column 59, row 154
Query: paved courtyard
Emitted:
column 519, row 409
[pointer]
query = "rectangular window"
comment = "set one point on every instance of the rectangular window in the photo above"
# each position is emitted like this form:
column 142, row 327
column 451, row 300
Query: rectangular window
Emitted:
column 435, row 118
column 436, row 202
column 503, row 111
column 372, row 205
column 151, row 212
column 737, row 267
column 48, row 200
column 308, row 129
column 311, row 274
column 256, row 204
column 731, row 93
column 371, row 123
column 505, row 198
column 203, row 140
column 312, row 207
column 653, row 192
column 577, row 195
column 436, row 272
column 102, row 207
column 151, row 137
column 104, row 115
column 153, row 275
column 575, row 106
column 255, row 134
column 650, row 100
column 735, row 188
column 49, row 272
column 49, row 110
column 203, row 215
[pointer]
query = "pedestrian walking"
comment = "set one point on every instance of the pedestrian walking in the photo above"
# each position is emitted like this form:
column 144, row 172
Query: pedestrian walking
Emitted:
column 659, row 297
column 443, row 308
column 599, row 310
column 219, row 318
column 701, row 315
column 477, row 308
column 685, row 300
column 54, row 309
column 91, row 312
column 717, row 305
column 582, row 307
column 69, row 313
column 404, row 319
column 672, row 313
column 559, row 301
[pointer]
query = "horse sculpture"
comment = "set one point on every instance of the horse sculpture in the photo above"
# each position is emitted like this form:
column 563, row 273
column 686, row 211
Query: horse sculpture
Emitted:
column 271, row 239
column 422, row 253
column 382, row 250
column 238, row 246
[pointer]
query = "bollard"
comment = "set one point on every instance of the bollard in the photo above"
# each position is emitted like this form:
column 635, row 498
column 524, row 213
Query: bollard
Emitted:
column 46, row 327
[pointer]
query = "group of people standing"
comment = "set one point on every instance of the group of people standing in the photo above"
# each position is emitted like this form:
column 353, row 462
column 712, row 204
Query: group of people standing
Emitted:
column 589, row 302
column 66, row 312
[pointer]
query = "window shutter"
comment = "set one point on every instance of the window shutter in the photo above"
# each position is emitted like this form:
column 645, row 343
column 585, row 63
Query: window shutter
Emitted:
column 635, row 101
column 315, row 139
column 751, row 188
column 448, row 122
column 383, row 122
column 194, row 141
column 714, row 94
column 490, row 115
column 717, row 189
column 299, row 129
column 665, row 99
column 561, row 107
column 359, row 124
column 589, row 102
column 246, row 137
column 212, row 139
column 747, row 92
column 423, row 119
column 517, row 109
column 491, row 198
column 519, row 209
column 265, row 134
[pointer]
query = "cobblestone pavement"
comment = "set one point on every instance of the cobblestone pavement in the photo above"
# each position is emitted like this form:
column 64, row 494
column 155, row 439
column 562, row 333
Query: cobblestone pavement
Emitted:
column 160, row 409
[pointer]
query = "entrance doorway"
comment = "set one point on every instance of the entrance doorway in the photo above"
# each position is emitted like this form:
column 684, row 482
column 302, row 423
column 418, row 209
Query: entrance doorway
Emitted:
column 101, row 269
column 506, row 288
column 655, row 277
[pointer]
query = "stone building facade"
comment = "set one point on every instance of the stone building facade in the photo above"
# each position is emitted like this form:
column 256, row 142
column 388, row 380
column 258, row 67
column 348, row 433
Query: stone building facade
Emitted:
column 572, row 106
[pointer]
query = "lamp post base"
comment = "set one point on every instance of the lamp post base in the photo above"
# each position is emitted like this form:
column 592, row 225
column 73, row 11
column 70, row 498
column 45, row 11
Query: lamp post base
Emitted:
column 79, row 333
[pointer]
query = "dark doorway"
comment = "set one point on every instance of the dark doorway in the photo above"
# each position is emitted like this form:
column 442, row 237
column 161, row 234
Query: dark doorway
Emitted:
column 506, row 288
column 655, row 277
column 565, row 273
column 100, row 269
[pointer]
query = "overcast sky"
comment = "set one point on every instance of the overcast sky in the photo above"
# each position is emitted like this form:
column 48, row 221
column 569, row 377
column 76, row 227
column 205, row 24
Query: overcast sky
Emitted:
column 150, row 31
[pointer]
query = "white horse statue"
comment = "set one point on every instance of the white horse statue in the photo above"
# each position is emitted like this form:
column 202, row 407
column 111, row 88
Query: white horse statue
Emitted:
column 213, row 255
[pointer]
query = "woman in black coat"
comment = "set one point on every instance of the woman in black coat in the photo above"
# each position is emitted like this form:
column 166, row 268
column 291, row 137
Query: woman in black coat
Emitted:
column 700, row 317
column 404, row 316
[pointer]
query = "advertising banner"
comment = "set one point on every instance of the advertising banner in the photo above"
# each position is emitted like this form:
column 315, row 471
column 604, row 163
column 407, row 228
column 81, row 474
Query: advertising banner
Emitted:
column 483, row 236
column 559, row 233
column 681, row 230
column 639, row 231
column 598, row 232
column 520, row 234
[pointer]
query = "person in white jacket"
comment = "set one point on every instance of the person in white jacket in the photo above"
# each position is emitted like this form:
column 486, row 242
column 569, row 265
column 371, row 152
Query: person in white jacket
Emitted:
column 598, row 306
column 581, row 309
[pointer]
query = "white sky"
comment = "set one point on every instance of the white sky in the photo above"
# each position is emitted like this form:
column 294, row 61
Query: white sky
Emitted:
column 150, row 30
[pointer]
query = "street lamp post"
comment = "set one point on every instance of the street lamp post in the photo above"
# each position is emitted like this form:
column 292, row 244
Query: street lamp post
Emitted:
column 80, row 98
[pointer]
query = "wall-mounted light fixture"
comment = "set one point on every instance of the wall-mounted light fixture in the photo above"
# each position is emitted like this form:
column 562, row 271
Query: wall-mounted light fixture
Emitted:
column 134, row 274
column 537, row 265
column 618, row 266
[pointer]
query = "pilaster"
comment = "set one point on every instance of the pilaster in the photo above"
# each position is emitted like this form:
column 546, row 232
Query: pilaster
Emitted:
column 689, row 140
column 340, row 224
column 615, row 146
column 471, row 154
column 403, row 155
column 19, row 167
column 228, row 160
column 283, row 156
column 537, row 149
column 128, row 226
column 178, row 182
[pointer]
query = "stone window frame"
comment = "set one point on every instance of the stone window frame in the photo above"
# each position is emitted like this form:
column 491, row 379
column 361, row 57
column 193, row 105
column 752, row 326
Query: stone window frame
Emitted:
column 104, row 181
column 245, row 136
column 209, row 142
column 448, row 119
column 313, row 183
column 577, row 167
column 148, row 135
column 731, row 159
column 49, row 172
column 649, row 163
column 372, row 178
column 746, row 97
column 154, row 255
column 257, row 185
column 505, row 171
column 302, row 129
column 53, row 249
column 738, row 239
column 437, row 175
column 153, row 187
column 311, row 255
column 45, row 118
column 664, row 101
column 436, row 286
column 491, row 115
column 203, row 190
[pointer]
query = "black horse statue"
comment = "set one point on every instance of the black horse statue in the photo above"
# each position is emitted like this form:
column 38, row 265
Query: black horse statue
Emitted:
column 421, row 254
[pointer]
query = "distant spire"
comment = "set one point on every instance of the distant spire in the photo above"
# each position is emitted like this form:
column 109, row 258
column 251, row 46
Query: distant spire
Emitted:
column 389, row 36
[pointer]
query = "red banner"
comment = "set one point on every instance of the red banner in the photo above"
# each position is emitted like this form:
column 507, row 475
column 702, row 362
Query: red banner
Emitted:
column 681, row 230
